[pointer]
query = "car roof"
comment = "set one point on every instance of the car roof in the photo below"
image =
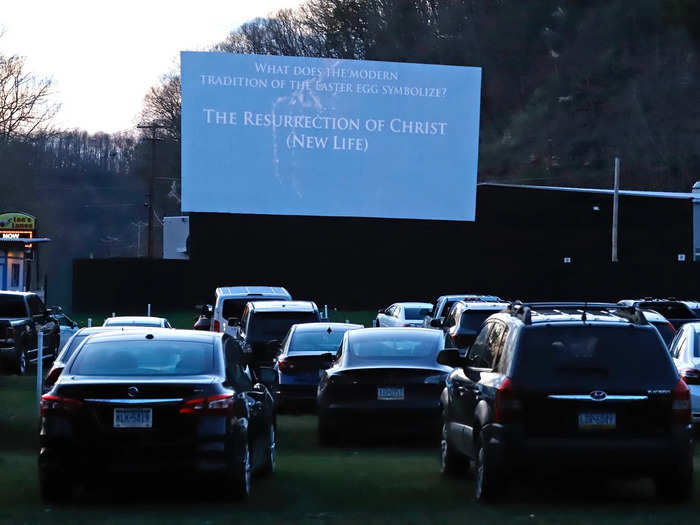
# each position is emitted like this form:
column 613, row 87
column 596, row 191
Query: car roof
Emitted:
column 410, row 304
column 159, row 334
column 320, row 327
column 473, row 297
column 560, row 314
column 693, row 325
column 652, row 315
column 135, row 318
column 89, row 330
column 490, row 305
column 278, row 306
column 399, row 331
column 243, row 291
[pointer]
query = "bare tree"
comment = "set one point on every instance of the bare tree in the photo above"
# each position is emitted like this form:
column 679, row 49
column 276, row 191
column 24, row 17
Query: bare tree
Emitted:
column 162, row 105
column 25, row 100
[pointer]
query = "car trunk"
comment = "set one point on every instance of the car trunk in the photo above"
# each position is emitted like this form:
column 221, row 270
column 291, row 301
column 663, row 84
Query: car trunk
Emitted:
column 307, row 365
column 390, row 385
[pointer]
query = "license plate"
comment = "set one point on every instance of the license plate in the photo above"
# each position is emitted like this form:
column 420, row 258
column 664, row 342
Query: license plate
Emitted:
column 389, row 394
column 133, row 418
column 597, row 421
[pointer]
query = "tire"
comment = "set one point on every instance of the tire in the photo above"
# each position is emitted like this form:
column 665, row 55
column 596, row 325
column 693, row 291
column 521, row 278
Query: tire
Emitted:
column 53, row 489
column 326, row 434
column 452, row 462
column 676, row 485
column 22, row 363
column 489, row 484
column 240, row 474
column 270, row 464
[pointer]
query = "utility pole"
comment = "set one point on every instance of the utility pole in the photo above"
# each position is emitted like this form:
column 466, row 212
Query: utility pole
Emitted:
column 149, row 203
column 616, row 208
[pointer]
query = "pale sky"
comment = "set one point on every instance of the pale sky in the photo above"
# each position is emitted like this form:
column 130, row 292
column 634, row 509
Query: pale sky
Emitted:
column 103, row 55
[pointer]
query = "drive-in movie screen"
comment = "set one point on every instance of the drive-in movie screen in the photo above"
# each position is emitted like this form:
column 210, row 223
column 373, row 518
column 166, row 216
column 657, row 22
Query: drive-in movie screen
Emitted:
column 349, row 261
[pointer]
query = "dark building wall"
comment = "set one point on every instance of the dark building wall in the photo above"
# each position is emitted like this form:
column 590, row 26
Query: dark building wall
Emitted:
column 515, row 249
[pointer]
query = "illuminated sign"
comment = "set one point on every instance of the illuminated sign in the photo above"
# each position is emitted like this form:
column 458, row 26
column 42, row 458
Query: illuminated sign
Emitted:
column 17, row 221
column 10, row 235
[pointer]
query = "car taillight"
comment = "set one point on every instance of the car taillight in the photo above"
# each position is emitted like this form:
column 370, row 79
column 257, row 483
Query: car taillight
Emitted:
column 217, row 326
column 51, row 404
column 691, row 376
column 218, row 404
column 508, row 406
column 53, row 375
column 285, row 366
column 680, row 405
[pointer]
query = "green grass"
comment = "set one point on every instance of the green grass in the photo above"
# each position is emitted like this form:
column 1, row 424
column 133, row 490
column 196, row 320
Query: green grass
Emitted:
column 352, row 484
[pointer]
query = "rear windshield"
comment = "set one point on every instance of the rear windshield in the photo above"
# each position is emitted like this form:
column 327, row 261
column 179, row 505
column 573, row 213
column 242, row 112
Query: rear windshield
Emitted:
column 666, row 331
column 417, row 313
column 585, row 358
column 120, row 322
column 70, row 347
column 144, row 358
column 271, row 326
column 473, row 319
column 391, row 348
column 670, row 310
column 235, row 307
column 318, row 341
column 12, row 306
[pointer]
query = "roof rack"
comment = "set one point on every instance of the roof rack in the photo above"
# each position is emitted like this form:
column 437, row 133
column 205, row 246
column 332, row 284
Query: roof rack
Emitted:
column 520, row 311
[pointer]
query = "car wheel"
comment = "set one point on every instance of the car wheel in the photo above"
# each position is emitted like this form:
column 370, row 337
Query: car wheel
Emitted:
column 240, row 475
column 452, row 462
column 489, row 485
column 326, row 434
column 53, row 489
column 22, row 364
column 270, row 457
column 676, row 485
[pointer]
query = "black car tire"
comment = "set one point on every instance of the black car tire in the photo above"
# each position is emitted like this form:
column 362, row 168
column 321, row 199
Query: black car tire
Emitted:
column 326, row 434
column 270, row 453
column 22, row 362
column 676, row 485
column 54, row 489
column 489, row 484
column 452, row 462
column 240, row 471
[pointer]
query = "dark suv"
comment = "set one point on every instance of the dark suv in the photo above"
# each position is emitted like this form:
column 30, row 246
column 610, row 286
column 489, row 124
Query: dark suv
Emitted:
column 563, row 390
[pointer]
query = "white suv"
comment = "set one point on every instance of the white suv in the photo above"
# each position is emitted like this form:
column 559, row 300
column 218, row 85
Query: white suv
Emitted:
column 231, row 301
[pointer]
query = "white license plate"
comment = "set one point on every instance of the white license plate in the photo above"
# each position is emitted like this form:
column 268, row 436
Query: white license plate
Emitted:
column 389, row 394
column 597, row 421
column 133, row 418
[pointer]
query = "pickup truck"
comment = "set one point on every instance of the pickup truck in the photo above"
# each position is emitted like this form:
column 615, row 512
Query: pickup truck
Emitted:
column 22, row 317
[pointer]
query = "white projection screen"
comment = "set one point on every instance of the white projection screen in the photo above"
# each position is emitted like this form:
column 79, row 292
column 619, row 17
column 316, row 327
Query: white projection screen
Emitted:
column 340, row 138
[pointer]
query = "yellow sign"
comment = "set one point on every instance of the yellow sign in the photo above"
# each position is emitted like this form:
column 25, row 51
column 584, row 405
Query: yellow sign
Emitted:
column 17, row 221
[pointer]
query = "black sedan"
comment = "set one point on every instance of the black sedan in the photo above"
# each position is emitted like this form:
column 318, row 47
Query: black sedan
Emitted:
column 384, row 379
column 156, row 401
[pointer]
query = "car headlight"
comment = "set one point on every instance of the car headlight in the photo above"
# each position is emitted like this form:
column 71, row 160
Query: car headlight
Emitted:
column 437, row 379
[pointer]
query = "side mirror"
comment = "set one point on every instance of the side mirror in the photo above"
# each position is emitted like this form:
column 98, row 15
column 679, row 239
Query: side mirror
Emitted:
column 233, row 321
column 436, row 323
column 450, row 357
column 267, row 375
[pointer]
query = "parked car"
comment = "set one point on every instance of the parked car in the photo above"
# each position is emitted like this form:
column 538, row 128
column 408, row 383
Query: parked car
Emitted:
column 22, row 317
column 265, row 324
column 67, row 327
column 231, row 300
column 384, row 379
column 694, row 307
column 564, row 390
column 658, row 321
column 176, row 402
column 403, row 314
column 464, row 321
column 444, row 303
column 677, row 312
column 307, row 350
column 685, row 350
column 72, row 344
column 136, row 320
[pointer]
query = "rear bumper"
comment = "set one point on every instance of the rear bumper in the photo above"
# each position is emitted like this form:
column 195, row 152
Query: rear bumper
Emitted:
column 510, row 450
column 418, row 416
column 289, row 395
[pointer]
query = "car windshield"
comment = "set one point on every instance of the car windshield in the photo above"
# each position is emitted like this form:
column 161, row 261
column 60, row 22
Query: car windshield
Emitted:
column 415, row 314
column 271, row 326
column 323, row 340
column 144, row 358
column 12, row 306
column 123, row 322
column 473, row 319
column 582, row 358
column 235, row 307
column 374, row 347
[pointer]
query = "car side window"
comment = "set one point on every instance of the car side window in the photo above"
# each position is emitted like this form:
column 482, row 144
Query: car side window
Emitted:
column 681, row 345
column 479, row 353
column 399, row 312
column 500, row 358
column 36, row 307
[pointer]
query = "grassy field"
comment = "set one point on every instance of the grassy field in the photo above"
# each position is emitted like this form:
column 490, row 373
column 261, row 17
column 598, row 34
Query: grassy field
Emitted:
column 353, row 484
